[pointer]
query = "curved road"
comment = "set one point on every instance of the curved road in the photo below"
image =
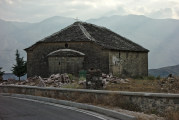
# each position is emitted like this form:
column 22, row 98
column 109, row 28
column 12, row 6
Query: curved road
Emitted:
column 18, row 109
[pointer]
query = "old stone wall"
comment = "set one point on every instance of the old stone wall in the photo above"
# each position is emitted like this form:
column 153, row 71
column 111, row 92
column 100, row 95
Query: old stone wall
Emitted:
column 140, row 101
column 37, row 60
column 127, row 63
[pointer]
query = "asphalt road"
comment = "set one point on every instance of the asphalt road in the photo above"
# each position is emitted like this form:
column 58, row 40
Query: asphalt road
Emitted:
column 17, row 109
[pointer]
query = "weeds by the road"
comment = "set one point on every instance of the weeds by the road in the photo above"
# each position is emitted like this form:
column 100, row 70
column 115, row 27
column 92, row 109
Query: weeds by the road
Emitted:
column 172, row 115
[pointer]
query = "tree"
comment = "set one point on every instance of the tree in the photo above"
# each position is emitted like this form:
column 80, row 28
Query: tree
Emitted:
column 19, row 69
column 1, row 73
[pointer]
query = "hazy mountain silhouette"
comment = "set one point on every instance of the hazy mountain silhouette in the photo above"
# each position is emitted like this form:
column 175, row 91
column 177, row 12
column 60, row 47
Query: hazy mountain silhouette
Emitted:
column 165, row 71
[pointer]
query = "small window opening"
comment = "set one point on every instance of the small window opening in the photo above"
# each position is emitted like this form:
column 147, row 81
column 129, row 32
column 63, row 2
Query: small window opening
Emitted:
column 66, row 45
column 59, row 63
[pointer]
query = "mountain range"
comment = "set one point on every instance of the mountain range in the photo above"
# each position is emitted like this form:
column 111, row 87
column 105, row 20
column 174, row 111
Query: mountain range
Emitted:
column 160, row 36
column 165, row 71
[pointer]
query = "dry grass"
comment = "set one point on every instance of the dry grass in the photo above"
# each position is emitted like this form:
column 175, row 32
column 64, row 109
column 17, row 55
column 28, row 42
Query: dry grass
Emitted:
column 110, row 100
column 145, row 84
column 74, row 85
column 173, row 115
column 136, row 85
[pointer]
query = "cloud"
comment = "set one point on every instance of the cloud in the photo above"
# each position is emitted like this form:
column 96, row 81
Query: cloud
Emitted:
column 33, row 10
column 6, row 1
column 162, row 13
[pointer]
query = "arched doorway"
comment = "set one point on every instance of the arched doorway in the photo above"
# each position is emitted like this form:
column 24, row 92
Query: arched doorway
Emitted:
column 65, row 61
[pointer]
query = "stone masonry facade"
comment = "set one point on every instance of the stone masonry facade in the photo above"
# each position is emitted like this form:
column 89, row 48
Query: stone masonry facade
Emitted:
column 37, row 60
column 128, row 63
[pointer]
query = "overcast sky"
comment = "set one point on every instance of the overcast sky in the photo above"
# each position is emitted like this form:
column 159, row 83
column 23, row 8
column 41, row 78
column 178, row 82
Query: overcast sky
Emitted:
column 37, row 10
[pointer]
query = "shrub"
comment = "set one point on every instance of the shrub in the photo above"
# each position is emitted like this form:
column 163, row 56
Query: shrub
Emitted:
column 151, row 77
column 138, row 77
column 113, row 100
column 158, row 77
column 82, row 78
column 72, row 77
column 1, row 73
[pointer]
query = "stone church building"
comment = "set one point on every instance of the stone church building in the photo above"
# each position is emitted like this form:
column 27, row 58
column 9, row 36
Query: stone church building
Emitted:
column 82, row 46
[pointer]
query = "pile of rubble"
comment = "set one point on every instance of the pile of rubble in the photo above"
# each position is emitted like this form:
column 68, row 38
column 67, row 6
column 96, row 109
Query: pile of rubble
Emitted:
column 94, row 79
column 112, row 79
column 169, row 84
column 55, row 80
column 8, row 82
column 97, row 80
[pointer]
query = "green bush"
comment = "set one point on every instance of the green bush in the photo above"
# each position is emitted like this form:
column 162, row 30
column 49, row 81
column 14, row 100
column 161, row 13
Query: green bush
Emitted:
column 71, row 76
column 1, row 72
column 158, row 77
column 82, row 78
column 138, row 77
column 150, row 77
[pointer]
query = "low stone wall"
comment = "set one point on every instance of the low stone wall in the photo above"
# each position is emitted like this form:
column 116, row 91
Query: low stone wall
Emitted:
column 140, row 101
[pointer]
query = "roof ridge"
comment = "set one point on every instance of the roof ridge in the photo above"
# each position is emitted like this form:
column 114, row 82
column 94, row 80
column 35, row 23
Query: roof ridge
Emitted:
column 85, row 32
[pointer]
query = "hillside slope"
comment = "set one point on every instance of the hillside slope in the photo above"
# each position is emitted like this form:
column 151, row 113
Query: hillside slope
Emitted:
column 165, row 71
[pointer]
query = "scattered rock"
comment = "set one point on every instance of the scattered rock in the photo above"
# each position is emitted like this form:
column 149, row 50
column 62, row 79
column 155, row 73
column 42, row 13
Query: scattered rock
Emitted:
column 111, row 79
column 169, row 84
column 96, row 80
column 82, row 82
column 55, row 80
column 41, row 82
